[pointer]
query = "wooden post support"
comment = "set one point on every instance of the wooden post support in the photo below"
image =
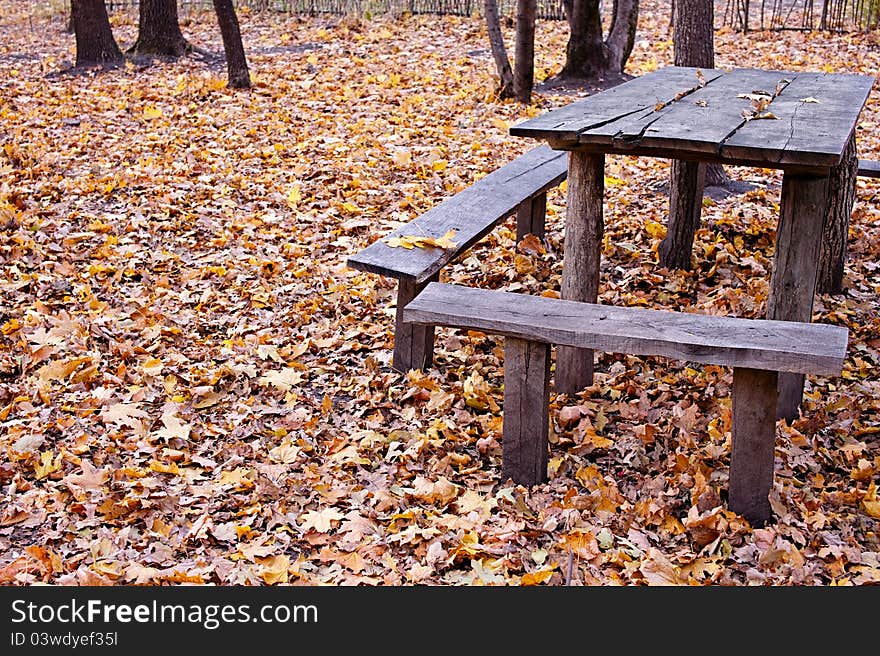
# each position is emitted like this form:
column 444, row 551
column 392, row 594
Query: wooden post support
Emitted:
column 584, row 228
column 754, row 436
column 413, row 344
column 526, row 410
column 686, row 183
column 795, row 267
column 530, row 216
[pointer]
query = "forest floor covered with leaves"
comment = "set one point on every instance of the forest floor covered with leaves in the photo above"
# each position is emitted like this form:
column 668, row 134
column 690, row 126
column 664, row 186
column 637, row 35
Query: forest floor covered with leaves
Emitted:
column 194, row 388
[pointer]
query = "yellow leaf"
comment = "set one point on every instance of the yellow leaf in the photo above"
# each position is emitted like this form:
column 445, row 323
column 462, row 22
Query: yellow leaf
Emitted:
column 415, row 241
column 350, row 207
column 274, row 568
column 439, row 165
column 312, row 59
column 151, row 112
column 537, row 577
column 656, row 230
column 47, row 464
column 240, row 477
column 610, row 180
column 152, row 366
column 164, row 468
column 10, row 326
column 294, row 196
column 809, row 99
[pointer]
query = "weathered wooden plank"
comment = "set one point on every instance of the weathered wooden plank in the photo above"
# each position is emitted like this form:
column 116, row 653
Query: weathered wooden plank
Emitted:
column 472, row 213
column 632, row 97
column 869, row 169
column 526, row 410
column 696, row 123
column 413, row 343
column 531, row 216
column 736, row 342
column 795, row 268
column 752, row 441
column 584, row 227
column 805, row 132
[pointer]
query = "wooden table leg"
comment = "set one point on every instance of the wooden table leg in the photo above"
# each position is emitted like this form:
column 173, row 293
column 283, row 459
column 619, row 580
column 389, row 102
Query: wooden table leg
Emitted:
column 413, row 343
column 795, row 268
column 584, row 228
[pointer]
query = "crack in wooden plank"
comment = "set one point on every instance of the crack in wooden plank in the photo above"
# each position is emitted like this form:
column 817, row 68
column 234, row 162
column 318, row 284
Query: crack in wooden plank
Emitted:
column 746, row 120
column 636, row 138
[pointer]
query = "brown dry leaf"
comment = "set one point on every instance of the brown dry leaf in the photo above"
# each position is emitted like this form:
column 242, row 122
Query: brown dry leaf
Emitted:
column 657, row 570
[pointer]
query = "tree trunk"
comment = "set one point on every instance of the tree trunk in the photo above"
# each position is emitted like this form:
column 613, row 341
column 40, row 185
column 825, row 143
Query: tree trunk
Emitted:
column 622, row 33
column 159, row 30
column 694, row 45
column 841, row 198
column 693, row 40
column 526, row 11
column 587, row 55
column 499, row 52
column 95, row 44
column 687, row 181
column 236, row 62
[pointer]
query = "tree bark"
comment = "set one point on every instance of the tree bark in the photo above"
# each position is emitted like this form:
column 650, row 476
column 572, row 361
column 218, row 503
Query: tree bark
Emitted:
column 524, row 74
column 587, row 55
column 159, row 30
column 499, row 52
column 687, row 181
column 622, row 33
column 841, row 198
column 95, row 44
column 236, row 63
column 693, row 45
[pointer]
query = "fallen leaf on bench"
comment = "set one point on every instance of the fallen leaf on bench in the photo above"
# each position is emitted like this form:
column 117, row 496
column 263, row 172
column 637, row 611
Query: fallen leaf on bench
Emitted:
column 415, row 241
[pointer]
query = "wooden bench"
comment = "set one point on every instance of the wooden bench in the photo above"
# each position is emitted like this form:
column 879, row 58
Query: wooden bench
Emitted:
column 520, row 186
column 756, row 349
column 869, row 168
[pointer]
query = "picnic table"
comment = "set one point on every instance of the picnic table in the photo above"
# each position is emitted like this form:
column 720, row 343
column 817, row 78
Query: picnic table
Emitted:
column 794, row 121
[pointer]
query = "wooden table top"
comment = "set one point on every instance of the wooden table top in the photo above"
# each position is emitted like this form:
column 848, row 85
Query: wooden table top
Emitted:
column 772, row 119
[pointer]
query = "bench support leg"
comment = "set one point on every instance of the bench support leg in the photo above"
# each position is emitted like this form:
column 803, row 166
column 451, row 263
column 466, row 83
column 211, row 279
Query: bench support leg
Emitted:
column 753, row 440
column 584, row 229
column 795, row 268
column 526, row 410
column 413, row 344
column 530, row 216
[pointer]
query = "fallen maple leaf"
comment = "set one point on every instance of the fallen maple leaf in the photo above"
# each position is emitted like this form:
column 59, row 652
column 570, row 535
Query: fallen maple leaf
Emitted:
column 91, row 478
column 320, row 520
column 415, row 241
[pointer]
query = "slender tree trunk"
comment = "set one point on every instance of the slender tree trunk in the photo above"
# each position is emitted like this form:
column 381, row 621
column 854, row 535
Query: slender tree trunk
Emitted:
column 685, row 202
column 159, row 30
column 499, row 52
column 95, row 44
column 587, row 55
column 524, row 78
column 693, row 39
column 622, row 33
column 841, row 198
column 236, row 62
